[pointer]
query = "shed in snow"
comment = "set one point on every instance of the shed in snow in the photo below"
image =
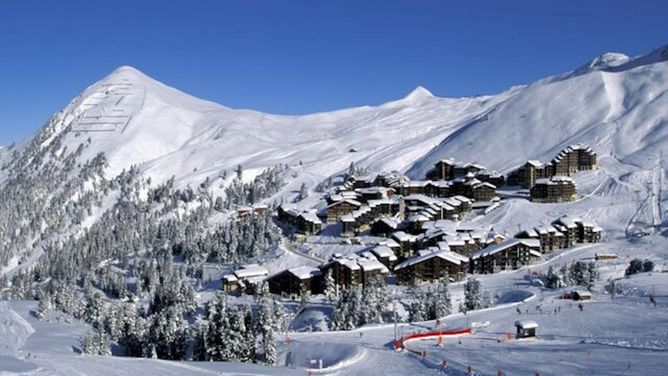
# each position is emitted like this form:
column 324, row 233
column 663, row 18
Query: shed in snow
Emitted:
column 526, row 328
column 580, row 295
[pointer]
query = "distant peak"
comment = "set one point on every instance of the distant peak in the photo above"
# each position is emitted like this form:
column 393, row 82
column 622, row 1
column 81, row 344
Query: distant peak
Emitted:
column 127, row 73
column 608, row 59
column 419, row 93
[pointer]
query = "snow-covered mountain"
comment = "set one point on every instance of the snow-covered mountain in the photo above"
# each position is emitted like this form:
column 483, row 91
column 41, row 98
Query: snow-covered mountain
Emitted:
column 616, row 104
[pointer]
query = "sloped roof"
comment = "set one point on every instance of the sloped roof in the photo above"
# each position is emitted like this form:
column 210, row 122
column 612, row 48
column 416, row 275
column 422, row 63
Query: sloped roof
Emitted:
column 424, row 255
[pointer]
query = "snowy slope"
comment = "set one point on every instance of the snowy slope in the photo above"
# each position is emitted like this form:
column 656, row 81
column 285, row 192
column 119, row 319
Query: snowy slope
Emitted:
column 616, row 104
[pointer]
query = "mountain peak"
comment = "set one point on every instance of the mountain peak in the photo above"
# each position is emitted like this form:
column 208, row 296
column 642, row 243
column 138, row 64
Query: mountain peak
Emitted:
column 419, row 93
column 608, row 59
column 127, row 73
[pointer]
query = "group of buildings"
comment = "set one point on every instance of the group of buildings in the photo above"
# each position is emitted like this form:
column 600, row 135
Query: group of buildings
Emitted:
column 383, row 202
column 418, row 222
column 440, row 249
column 550, row 182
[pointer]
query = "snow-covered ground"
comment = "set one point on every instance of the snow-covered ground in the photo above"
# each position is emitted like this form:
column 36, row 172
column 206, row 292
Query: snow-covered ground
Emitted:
column 617, row 105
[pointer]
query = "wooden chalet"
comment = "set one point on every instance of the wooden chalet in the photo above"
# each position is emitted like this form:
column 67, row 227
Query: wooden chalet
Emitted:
column 429, row 265
column 577, row 230
column 244, row 280
column 296, row 282
column 553, row 190
column 338, row 209
column 304, row 222
column 526, row 329
column 574, row 158
column 510, row 254
column 385, row 255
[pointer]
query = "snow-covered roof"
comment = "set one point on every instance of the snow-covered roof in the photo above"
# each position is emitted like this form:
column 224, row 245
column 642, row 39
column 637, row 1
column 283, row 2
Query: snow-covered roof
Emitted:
column 350, row 201
column 500, row 247
column 426, row 254
column 463, row 199
column 526, row 324
column 369, row 265
column 568, row 221
column 531, row 243
column 535, row 163
column 383, row 251
column 403, row 237
column 391, row 243
column 304, row 272
column 349, row 262
column 310, row 216
column 250, row 271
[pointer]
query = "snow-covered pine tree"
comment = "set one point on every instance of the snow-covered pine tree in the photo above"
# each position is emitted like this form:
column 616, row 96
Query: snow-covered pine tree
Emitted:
column 330, row 288
column 472, row 295
column 267, row 322
column 443, row 303
column 373, row 303
column 43, row 306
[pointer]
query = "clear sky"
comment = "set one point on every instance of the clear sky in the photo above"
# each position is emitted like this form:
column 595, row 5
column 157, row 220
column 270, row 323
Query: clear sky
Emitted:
column 293, row 57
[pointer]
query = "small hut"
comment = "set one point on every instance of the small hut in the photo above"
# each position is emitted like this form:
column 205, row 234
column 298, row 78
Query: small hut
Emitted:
column 526, row 328
column 580, row 295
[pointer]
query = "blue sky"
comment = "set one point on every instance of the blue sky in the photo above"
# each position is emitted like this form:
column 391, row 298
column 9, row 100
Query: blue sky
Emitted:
column 294, row 57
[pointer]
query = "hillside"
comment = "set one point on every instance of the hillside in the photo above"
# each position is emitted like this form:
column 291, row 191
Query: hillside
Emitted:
column 121, row 212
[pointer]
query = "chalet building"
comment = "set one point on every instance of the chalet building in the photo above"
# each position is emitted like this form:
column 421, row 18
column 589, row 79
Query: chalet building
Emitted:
column 553, row 190
column 494, row 178
column 568, row 227
column 361, row 219
column 482, row 191
column 526, row 329
column 443, row 170
column 308, row 223
column 549, row 238
column 429, row 265
column 527, row 174
column 460, row 170
column 304, row 222
column 385, row 255
column 568, row 162
column 361, row 181
column 244, row 280
column 340, row 208
column 372, row 269
column 296, row 282
column 574, row 158
column 416, row 221
column 448, row 169
column 564, row 232
column 386, row 226
column 392, row 180
column 407, row 242
column 578, row 231
column 244, row 211
column 345, row 271
column 374, row 193
column 353, row 271
column 415, row 187
column 510, row 254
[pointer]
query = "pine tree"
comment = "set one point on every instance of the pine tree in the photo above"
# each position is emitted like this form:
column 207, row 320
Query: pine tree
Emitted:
column 267, row 322
column 553, row 280
column 303, row 192
column 418, row 308
column 43, row 307
column 331, row 289
column 443, row 303
column 472, row 295
column 373, row 303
